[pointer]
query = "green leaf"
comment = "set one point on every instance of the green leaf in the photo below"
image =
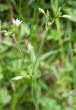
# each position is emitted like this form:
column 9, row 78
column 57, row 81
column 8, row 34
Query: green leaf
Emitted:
column 4, row 96
column 49, row 104
column 53, row 35
column 73, row 37
column 25, row 30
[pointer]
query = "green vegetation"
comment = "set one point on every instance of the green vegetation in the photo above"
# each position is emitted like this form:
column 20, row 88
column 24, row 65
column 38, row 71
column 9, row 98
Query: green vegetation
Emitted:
column 37, row 55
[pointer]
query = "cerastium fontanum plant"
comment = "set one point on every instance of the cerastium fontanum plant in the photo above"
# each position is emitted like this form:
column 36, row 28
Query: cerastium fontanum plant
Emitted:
column 33, row 76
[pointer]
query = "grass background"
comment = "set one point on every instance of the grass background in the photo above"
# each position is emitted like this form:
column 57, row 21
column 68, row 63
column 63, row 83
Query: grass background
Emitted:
column 53, row 85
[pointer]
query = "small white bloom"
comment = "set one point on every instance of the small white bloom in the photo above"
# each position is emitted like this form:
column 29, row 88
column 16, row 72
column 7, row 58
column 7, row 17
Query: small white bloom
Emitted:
column 17, row 78
column 16, row 22
column 29, row 46
column 42, row 11
column 66, row 16
column 6, row 34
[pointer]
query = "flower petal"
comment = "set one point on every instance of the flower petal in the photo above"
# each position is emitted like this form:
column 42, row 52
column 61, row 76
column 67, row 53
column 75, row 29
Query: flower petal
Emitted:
column 17, row 78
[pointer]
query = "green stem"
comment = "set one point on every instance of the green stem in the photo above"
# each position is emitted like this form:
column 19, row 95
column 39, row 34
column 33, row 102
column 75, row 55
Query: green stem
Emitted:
column 71, row 53
column 14, row 101
column 18, row 46
column 55, row 4
column 34, row 78
column 20, row 51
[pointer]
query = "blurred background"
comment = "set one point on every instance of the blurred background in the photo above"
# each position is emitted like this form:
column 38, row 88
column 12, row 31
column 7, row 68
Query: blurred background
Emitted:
column 54, row 74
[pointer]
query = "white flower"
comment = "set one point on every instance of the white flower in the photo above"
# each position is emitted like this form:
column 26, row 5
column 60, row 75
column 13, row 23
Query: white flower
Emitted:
column 16, row 22
column 42, row 11
column 6, row 34
column 17, row 78
column 29, row 46
column 66, row 16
